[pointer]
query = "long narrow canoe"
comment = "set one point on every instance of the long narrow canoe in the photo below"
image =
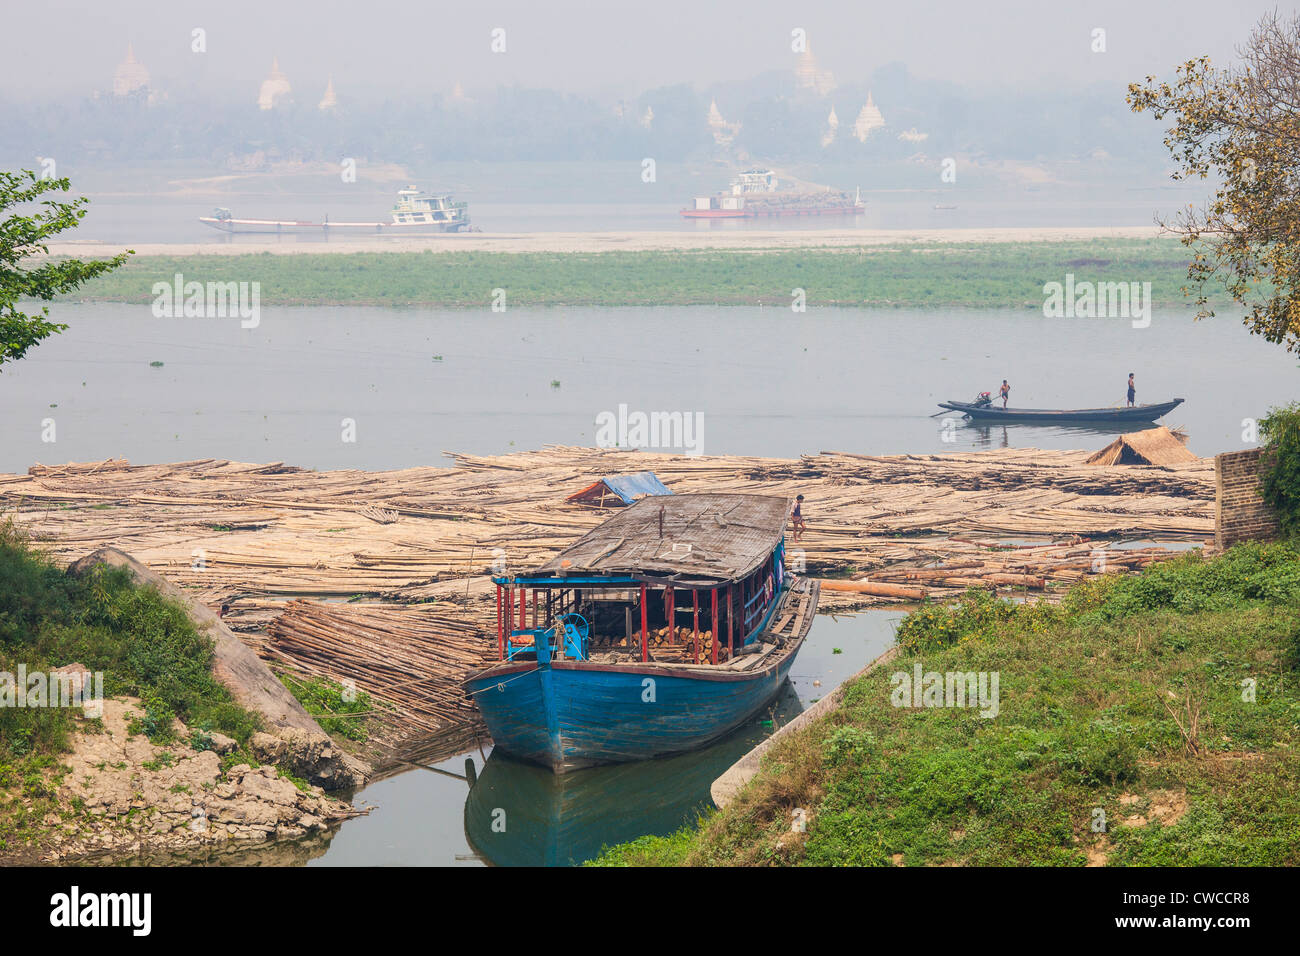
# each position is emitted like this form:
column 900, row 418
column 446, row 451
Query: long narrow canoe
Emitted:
column 996, row 413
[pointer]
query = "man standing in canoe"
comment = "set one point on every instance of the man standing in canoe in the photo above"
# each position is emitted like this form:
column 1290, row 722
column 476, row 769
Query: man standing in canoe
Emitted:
column 1005, row 392
column 1132, row 392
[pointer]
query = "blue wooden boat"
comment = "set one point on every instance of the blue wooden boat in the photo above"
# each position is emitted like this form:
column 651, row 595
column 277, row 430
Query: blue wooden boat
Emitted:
column 595, row 663
column 1118, row 415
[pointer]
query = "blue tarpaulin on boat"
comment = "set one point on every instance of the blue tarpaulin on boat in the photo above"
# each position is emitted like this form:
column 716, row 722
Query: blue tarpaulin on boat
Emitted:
column 626, row 488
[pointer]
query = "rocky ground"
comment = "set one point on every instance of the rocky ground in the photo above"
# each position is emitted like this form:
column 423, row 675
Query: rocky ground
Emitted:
column 125, row 796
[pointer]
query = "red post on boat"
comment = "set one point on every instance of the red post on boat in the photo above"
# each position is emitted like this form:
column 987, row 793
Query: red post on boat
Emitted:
column 645, row 628
column 535, row 622
column 731, row 647
column 510, row 608
column 714, row 642
column 695, row 639
column 501, row 631
column 523, row 607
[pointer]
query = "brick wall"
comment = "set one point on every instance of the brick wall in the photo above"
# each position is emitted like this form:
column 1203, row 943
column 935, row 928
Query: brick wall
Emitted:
column 1240, row 514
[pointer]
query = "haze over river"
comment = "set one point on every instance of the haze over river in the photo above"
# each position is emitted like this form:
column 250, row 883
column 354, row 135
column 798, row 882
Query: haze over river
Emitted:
column 766, row 381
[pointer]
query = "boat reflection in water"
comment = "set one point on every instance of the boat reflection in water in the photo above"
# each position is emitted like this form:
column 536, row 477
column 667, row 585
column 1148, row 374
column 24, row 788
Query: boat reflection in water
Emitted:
column 523, row 814
column 985, row 435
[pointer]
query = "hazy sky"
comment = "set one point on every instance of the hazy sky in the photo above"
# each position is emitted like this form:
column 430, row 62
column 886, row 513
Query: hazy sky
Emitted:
column 610, row 48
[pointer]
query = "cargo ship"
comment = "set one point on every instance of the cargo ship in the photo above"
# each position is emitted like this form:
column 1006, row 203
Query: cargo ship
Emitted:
column 414, row 212
column 756, row 192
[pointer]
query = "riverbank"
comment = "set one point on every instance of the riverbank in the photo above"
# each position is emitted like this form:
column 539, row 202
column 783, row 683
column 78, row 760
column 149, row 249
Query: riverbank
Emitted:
column 1145, row 720
column 994, row 268
column 120, row 731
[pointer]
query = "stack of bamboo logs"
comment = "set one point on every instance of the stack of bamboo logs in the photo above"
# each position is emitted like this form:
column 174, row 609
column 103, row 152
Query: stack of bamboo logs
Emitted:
column 270, row 531
column 259, row 537
column 412, row 658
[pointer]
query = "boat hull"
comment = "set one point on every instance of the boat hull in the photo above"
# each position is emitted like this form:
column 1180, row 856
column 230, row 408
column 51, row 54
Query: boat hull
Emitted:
column 571, row 714
column 996, row 413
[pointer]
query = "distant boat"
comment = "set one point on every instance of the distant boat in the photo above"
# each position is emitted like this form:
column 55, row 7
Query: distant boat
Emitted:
column 607, row 673
column 989, row 412
column 756, row 192
column 415, row 211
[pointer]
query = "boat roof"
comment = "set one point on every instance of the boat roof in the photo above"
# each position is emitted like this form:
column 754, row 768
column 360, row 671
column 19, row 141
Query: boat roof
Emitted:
column 705, row 537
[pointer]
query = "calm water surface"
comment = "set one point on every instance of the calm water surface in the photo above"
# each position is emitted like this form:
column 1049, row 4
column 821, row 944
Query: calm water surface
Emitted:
column 766, row 381
column 426, row 818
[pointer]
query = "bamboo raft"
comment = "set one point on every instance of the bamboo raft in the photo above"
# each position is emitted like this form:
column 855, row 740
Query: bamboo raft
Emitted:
column 410, row 657
column 259, row 538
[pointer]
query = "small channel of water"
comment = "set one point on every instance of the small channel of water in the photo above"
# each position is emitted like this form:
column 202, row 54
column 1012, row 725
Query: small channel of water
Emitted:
column 421, row 818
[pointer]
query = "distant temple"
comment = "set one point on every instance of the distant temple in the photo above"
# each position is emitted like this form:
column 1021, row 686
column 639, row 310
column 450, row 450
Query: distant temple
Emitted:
column 131, row 77
column 869, row 120
column 647, row 118
column 723, row 132
column 275, row 88
column 329, row 101
column 808, row 76
column 832, row 127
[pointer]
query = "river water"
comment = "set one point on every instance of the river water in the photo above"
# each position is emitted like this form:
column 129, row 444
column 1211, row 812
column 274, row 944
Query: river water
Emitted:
column 763, row 381
column 516, row 814
column 760, row 381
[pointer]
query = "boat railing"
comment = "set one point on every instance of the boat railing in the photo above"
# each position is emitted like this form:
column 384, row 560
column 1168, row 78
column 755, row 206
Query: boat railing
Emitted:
column 755, row 607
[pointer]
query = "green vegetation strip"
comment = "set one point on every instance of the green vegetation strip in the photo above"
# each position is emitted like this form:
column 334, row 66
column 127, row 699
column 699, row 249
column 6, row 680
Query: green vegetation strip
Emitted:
column 977, row 275
column 1167, row 702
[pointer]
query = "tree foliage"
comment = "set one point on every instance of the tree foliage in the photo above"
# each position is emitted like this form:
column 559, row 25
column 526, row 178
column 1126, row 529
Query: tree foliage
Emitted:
column 23, row 235
column 1280, row 478
column 1241, row 126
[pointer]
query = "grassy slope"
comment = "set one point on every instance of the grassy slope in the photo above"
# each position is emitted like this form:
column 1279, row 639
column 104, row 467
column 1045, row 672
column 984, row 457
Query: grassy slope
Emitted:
column 922, row 275
column 1083, row 725
column 145, row 645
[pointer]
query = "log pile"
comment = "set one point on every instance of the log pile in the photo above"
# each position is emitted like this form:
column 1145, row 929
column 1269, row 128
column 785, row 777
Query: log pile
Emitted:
column 412, row 658
column 993, row 565
column 252, row 533
column 257, row 538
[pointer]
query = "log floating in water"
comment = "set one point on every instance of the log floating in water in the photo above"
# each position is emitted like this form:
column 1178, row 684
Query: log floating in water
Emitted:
column 876, row 588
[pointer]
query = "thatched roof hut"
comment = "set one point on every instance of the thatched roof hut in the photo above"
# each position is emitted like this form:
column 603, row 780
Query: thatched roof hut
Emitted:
column 1153, row 446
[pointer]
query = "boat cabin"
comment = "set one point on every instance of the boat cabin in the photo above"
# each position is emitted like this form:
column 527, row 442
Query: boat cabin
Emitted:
column 681, row 579
column 416, row 207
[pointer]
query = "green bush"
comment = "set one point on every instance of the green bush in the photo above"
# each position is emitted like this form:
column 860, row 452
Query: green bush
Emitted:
column 145, row 645
column 331, row 704
column 1280, row 476
column 1251, row 572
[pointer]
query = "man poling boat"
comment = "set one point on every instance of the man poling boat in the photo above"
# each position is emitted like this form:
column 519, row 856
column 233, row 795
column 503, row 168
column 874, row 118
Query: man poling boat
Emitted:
column 983, row 410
